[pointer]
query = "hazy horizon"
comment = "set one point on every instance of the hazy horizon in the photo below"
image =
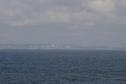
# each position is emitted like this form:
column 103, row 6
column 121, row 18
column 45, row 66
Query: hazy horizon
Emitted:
column 75, row 22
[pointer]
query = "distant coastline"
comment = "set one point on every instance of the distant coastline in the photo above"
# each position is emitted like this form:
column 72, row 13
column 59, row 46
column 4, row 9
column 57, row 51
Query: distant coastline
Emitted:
column 56, row 47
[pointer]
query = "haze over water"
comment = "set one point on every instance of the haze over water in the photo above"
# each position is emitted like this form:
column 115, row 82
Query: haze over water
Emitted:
column 83, row 42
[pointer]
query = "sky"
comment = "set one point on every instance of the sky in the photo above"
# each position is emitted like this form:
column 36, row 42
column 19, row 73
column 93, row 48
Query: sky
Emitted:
column 76, row 22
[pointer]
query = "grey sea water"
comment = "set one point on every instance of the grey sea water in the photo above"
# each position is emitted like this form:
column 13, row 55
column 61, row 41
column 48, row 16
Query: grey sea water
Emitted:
column 62, row 67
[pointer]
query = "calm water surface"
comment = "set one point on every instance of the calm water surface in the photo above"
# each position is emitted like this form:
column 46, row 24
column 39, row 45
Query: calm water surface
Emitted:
column 62, row 67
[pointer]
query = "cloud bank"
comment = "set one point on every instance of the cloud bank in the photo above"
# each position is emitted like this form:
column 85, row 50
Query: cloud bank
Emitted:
column 83, row 22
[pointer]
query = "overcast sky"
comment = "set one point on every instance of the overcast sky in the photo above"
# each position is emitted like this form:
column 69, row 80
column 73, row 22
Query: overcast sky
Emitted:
column 79, row 22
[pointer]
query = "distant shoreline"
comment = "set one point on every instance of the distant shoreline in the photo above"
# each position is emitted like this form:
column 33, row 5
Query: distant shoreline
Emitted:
column 61, row 50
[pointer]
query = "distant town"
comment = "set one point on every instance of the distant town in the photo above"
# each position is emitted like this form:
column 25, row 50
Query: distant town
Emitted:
column 54, row 46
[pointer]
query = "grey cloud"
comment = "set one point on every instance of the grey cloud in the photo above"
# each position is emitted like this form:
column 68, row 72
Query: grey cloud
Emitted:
column 41, row 11
column 83, row 22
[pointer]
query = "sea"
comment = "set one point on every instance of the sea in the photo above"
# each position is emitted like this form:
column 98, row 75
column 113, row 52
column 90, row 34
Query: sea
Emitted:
column 62, row 67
